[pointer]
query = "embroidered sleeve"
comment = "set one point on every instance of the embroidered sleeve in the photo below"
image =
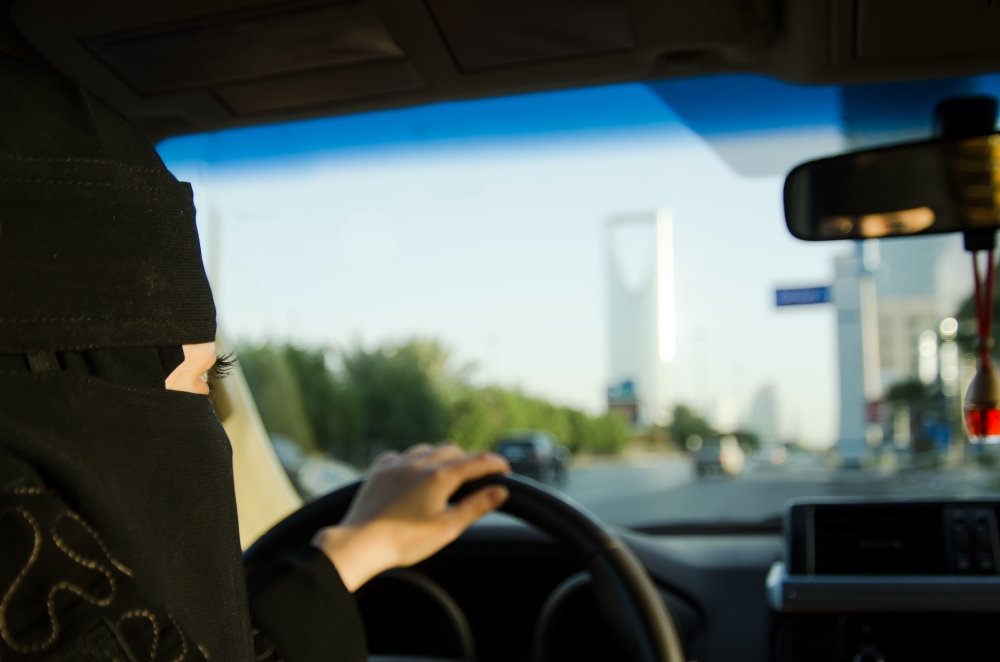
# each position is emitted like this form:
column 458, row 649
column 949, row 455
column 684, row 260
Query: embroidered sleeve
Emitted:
column 304, row 612
column 63, row 594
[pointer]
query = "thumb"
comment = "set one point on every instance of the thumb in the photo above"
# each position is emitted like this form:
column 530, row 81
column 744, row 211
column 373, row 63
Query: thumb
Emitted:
column 474, row 506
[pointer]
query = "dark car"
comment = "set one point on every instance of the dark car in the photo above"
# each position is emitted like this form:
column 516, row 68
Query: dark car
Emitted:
column 719, row 455
column 535, row 454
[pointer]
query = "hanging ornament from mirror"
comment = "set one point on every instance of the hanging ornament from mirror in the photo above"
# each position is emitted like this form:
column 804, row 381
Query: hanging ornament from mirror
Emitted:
column 982, row 400
column 982, row 406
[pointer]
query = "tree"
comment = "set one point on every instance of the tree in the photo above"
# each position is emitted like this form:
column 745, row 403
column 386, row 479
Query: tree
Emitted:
column 748, row 439
column 356, row 403
column 927, row 414
column 687, row 423
column 400, row 403
column 277, row 392
column 332, row 408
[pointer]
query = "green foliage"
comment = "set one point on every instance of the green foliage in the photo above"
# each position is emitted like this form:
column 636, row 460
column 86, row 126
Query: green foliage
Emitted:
column 400, row 404
column 686, row 423
column 276, row 389
column 748, row 439
column 333, row 410
column 910, row 391
column 357, row 403
column 927, row 411
column 610, row 434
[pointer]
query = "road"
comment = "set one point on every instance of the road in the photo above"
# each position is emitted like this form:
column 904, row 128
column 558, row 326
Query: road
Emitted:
column 661, row 489
column 657, row 489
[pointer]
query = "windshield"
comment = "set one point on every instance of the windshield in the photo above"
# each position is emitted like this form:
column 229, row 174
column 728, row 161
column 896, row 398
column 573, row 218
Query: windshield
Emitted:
column 368, row 270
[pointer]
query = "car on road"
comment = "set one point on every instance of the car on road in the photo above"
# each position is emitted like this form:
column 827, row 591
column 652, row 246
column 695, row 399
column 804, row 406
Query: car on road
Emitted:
column 719, row 455
column 769, row 458
column 369, row 170
column 536, row 454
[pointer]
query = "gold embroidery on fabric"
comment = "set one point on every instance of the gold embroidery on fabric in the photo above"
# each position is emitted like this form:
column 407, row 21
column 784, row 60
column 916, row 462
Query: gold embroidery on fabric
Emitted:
column 32, row 558
column 99, row 566
column 28, row 491
column 62, row 586
column 148, row 616
column 184, row 643
column 80, row 559
column 97, row 538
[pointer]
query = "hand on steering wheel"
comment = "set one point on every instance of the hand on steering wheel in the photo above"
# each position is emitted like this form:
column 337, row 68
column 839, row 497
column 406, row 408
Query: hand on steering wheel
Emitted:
column 631, row 604
column 402, row 513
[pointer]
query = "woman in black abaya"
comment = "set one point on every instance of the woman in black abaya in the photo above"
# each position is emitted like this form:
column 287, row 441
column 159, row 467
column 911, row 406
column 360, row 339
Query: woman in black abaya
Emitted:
column 118, row 530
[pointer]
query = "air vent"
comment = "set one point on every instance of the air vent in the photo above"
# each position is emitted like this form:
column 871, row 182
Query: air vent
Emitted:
column 879, row 541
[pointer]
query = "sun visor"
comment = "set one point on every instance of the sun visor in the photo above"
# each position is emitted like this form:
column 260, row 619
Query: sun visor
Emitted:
column 491, row 35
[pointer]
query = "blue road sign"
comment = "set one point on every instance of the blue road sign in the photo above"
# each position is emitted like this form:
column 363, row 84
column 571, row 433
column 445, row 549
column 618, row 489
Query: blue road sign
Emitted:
column 802, row 296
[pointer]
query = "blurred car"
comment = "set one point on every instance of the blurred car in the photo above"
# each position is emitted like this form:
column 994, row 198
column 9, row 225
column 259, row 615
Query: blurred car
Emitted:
column 312, row 475
column 321, row 475
column 534, row 453
column 722, row 456
column 770, row 458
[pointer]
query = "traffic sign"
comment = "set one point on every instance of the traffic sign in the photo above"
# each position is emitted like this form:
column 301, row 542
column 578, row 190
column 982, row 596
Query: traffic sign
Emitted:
column 802, row 296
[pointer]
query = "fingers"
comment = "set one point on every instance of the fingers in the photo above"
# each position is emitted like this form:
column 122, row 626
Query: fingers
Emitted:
column 477, row 466
column 413, row 454
column 439, row 455
column 474, row 506
column 418, row 451
column 447, row 466
column 388, row 457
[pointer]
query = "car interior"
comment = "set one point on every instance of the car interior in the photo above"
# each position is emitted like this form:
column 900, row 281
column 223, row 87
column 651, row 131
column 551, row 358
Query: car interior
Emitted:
column 869, row 578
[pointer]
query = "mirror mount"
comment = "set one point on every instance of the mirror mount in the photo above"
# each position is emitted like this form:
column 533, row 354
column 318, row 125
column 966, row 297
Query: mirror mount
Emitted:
column 968, row 117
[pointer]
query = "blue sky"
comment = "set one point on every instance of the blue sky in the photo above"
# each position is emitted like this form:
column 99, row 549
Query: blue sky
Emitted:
column 482, row 224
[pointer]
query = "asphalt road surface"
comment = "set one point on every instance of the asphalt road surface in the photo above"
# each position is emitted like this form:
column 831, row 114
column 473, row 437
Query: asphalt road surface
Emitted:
column 664, row 490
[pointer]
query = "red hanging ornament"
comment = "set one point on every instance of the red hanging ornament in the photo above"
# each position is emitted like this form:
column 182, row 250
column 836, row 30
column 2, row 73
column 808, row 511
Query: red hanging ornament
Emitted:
column 982, row 400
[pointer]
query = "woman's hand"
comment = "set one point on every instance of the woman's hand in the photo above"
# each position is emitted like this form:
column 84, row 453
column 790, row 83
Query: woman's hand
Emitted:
column 401, row 515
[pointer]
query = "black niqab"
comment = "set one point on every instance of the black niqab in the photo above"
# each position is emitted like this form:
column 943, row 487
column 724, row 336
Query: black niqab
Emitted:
column 101, row 281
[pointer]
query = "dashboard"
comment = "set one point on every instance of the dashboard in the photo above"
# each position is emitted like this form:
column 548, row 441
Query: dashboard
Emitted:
column 505, row 592
column 893, row 585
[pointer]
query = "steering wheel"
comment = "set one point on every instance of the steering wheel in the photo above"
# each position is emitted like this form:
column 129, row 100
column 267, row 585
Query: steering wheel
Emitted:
column 629, row 601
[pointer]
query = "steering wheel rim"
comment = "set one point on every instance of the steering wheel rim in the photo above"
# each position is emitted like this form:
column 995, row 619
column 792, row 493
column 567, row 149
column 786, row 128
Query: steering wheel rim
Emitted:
column 628, row 598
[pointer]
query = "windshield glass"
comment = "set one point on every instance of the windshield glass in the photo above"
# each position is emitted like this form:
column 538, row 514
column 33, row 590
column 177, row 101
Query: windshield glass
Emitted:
column 690, row 360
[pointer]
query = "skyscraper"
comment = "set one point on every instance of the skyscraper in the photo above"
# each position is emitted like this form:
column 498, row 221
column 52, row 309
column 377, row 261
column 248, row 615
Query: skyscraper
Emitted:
column 642, row 314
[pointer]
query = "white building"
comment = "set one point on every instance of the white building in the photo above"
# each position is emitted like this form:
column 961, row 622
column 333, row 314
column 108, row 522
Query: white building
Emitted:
column 763, row 415
column 641, row 310
column 919, row 284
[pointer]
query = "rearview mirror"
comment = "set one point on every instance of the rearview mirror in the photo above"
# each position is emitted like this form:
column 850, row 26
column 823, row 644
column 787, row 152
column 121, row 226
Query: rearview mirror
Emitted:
column 925, row 187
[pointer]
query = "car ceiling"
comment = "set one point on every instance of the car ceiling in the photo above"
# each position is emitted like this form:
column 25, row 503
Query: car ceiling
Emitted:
column 183, row 66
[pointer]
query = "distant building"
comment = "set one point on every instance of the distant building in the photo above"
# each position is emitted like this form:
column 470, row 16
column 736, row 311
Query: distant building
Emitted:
column 763, row 415
column 642, row 317
column 916, row 290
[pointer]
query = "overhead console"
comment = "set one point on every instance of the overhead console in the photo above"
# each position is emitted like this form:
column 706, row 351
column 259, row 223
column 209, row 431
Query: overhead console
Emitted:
column 871, row 581
column 177, row 66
